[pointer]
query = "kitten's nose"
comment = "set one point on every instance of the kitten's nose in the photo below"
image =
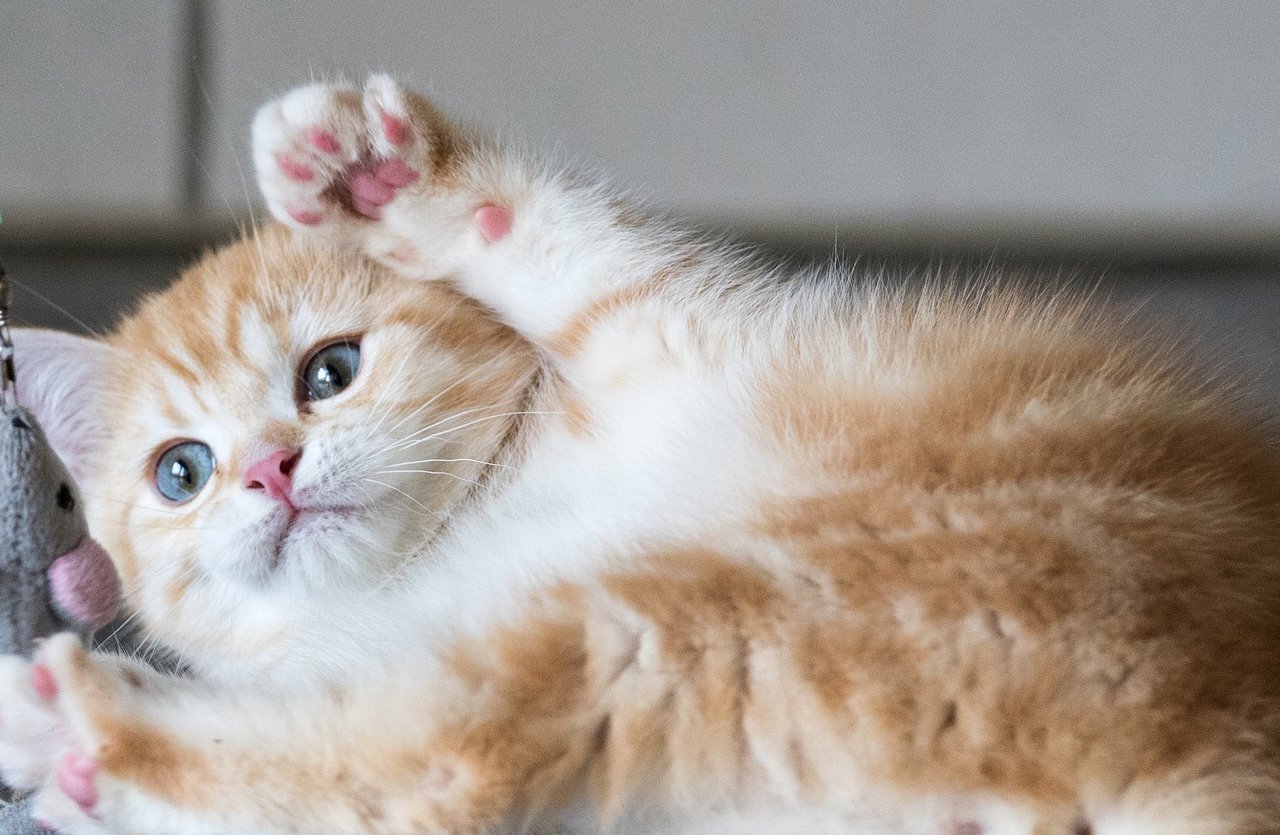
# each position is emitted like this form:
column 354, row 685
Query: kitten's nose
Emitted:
column 274, row 475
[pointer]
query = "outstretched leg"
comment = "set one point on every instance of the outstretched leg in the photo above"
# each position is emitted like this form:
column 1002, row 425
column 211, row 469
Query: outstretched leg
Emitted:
column 585, row 694
column 110, row 748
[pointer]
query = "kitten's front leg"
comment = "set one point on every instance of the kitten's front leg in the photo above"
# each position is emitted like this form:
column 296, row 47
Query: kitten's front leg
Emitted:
column 107, row 747
column 380, row 169
column 72, row 726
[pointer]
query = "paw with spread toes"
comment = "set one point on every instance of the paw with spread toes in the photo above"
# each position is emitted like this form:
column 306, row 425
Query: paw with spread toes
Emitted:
column 327, row 153
column 49, row 746
column 375, row 167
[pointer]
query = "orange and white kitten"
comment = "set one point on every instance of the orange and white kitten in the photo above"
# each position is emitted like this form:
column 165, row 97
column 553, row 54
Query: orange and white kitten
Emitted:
column 479, row 501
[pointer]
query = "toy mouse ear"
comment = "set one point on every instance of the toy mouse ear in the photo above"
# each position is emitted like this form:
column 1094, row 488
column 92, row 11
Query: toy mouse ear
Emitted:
column 60, row 381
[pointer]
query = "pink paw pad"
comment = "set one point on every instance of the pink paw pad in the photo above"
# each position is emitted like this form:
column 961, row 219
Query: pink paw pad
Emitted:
column 369, row 194
column 375, row 187
column 44, row 825
column 294, row 170
column 76, row 776
column 43, row 682
column 394, row 128
column 307, row 217
column 494, row 222
column 323, row 141
column 395, row 173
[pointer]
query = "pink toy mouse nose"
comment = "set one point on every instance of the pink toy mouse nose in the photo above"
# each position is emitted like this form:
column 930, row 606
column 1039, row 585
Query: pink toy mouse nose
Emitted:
column 84, row 585
column 274, row 474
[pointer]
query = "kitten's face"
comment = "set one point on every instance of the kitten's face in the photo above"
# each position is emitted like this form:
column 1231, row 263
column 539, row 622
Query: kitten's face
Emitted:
column 289, row 426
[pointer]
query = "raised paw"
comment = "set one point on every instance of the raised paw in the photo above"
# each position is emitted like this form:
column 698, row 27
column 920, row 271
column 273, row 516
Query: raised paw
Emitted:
column 376, row 167
column 332, row 153
column 49, row 739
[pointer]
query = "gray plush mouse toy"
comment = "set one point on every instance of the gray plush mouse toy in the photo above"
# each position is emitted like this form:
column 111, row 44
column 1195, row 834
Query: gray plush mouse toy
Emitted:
column 53, row 576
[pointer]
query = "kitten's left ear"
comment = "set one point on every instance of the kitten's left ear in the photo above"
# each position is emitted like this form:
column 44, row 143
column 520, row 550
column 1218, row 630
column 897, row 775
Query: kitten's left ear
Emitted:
column 61, row 380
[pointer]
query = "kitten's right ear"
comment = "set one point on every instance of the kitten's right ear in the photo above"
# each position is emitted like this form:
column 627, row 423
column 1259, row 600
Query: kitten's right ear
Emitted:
column 60, row 380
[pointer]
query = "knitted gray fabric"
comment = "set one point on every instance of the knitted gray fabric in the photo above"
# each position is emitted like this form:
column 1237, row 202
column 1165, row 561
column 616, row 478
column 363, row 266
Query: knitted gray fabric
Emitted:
column 15, row 819
column 40, row 519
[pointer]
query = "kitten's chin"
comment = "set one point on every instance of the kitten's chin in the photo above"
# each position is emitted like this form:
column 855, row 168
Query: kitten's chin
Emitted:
column 313, row 523
column 331, row 549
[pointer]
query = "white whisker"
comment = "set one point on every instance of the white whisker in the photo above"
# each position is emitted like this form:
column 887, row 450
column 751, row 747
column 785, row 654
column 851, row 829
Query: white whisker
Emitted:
column 430, row 472
column 452, row 461
column 412, row 441
column 406, row 495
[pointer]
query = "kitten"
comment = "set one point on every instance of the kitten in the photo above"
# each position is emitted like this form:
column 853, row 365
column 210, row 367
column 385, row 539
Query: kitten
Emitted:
column 542, row 513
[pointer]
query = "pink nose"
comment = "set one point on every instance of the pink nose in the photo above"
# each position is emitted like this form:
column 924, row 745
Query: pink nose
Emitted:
column 274, row 475
column 84, row 585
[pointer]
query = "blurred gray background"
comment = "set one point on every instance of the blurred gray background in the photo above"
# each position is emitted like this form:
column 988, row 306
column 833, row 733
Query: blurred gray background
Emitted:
column 1136, row 141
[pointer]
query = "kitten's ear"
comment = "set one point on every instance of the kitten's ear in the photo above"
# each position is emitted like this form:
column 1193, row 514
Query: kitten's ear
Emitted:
column 60, row 380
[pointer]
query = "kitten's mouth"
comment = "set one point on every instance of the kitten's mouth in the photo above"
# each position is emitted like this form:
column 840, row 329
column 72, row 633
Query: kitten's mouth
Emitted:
column 300, row 523
column 302, row 519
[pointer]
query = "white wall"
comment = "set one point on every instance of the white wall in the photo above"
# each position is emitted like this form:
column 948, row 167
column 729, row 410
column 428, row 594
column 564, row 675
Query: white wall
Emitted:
column 90, row 105
column 1129, row 119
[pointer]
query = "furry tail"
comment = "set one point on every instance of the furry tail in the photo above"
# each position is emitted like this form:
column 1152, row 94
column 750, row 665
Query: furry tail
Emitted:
column 1231, row 812
column 1232, row 798
column 1240, row 797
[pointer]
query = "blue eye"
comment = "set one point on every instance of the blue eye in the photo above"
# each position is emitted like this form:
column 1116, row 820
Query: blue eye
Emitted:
column 183, row 471
column 331, row 369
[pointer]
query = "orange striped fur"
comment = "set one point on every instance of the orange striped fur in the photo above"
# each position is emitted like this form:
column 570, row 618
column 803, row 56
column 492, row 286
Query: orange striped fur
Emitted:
column 710, row 547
